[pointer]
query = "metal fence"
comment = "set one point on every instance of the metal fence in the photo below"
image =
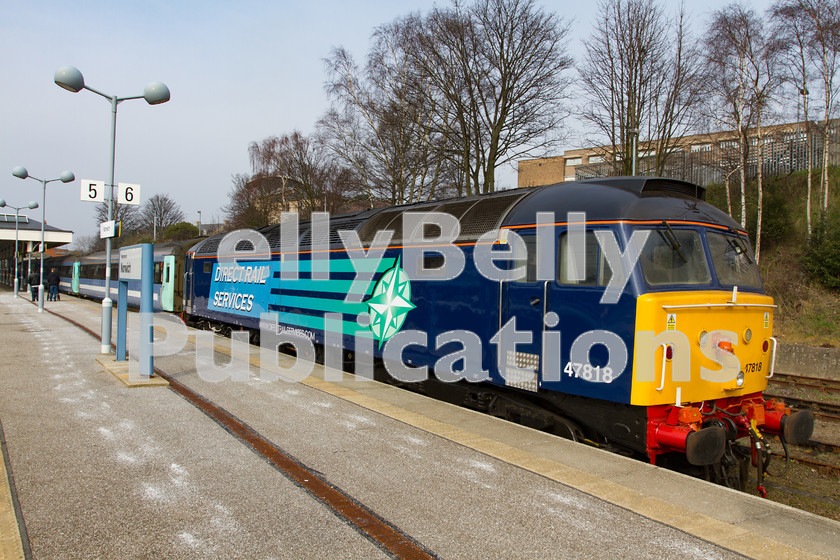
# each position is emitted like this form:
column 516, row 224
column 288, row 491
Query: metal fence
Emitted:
column 710, row 162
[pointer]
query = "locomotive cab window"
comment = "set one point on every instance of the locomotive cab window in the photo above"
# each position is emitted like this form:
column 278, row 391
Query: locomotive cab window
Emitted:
column 733, row 259
column 674, row 257
column 596, row 271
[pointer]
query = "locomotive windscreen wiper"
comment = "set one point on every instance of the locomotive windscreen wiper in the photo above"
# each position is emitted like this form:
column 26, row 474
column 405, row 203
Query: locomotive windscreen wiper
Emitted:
column 738, row 245
column 672, row 240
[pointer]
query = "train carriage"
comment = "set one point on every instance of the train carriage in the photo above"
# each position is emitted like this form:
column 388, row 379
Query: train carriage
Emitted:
column 84, row 275
column 669, row 362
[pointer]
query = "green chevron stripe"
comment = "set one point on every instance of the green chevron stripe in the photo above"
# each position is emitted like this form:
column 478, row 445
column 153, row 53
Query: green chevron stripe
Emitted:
column 322, row 304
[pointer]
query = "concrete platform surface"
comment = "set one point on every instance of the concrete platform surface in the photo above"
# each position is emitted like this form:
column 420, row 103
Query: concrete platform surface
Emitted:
column 102, row 470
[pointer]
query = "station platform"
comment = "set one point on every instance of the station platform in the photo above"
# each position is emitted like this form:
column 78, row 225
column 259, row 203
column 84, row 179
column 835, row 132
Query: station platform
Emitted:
column 96, row 469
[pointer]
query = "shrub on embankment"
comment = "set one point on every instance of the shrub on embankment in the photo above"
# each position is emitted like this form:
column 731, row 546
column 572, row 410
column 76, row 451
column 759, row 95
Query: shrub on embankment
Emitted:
column 801, row 274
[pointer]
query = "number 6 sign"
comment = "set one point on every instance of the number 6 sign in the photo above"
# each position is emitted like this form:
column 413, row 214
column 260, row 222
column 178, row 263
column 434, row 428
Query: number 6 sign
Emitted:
column 128, row 194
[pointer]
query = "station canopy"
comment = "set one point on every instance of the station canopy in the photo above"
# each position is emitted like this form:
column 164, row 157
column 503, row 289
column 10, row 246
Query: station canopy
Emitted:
column 29, row 235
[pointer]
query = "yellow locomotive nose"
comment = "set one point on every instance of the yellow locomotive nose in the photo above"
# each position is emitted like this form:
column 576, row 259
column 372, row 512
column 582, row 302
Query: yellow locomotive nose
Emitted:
column 707, row 353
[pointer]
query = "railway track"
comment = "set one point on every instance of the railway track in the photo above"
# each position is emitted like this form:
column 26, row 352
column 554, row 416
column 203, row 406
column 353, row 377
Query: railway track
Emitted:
column 824, row 410
column 822, row 466
column 829, row 411
column 805, row 382
column 821, row 409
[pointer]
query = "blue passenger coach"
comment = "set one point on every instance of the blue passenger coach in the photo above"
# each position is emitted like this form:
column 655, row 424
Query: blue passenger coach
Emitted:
column 84, row 275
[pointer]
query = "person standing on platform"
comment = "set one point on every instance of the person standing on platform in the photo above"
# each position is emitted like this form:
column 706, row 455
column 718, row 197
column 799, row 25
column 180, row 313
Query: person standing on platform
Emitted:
column 53, row 280
column 33, row 280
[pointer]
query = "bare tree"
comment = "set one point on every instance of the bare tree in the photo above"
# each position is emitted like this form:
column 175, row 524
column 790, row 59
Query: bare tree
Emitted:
column 728, row 47
column 125, row 214
column 318, row 181
column 87, row 243
column 291, row 172
column 380, row 122
column 497, row 71
column 742, row 66
column 823, row 24
column 640, row 75
column 766, row 81
column 791, row 26
column 251, row 203
column 157, row 213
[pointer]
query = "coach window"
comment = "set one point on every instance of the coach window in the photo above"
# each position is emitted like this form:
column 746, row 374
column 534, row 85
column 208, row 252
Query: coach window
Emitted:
column 596, row 271
column 157, row 273
column 208, row 267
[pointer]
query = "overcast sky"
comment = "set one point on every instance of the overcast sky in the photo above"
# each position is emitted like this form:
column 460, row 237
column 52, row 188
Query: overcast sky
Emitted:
column 238, row 72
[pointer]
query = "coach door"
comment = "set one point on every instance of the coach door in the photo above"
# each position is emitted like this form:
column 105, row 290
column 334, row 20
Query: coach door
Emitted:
column 74, row 279
column 167, row 284
column 524, row 299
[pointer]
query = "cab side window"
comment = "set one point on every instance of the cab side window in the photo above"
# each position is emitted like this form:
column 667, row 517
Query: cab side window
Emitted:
column 527, row 259
column 596, row 271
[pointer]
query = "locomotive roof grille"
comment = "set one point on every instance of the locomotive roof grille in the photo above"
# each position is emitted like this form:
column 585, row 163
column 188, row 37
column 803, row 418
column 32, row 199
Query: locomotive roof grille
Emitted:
column 334, row 237
column 652, row 185
column 476, row 215
column 486, row 215
column 210, row 245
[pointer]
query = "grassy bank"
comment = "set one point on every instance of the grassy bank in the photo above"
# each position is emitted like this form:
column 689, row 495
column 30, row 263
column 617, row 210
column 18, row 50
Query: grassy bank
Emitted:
column 807, row 311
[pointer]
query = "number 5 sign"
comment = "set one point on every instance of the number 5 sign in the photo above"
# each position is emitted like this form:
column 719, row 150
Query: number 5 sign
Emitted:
column 128, row 194
column 93, row 191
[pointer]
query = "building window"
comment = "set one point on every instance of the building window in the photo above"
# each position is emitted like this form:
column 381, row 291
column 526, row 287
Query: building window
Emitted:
column 701, row 148
column 596, row 159
column 574, row 161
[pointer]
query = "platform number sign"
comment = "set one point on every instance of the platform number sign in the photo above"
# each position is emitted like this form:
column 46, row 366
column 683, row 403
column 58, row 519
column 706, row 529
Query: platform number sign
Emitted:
column 128, row 194
column 93, row 191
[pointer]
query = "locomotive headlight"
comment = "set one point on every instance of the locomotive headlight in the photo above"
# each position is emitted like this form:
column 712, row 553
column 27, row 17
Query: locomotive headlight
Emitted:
column 739, row 379
column 747, row 335
column 702, row 338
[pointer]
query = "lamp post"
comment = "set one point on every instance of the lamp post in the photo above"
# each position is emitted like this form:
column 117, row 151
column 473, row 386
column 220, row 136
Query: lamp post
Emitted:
column 155, row 93
column 32, row 205
column 66, row 177
column 199, row 223
column 634, row 133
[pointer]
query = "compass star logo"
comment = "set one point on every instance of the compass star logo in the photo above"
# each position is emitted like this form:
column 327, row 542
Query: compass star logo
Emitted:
column 390, row 302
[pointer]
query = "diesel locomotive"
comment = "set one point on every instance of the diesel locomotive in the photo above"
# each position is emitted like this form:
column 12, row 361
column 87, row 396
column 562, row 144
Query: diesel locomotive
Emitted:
column 625, row 312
